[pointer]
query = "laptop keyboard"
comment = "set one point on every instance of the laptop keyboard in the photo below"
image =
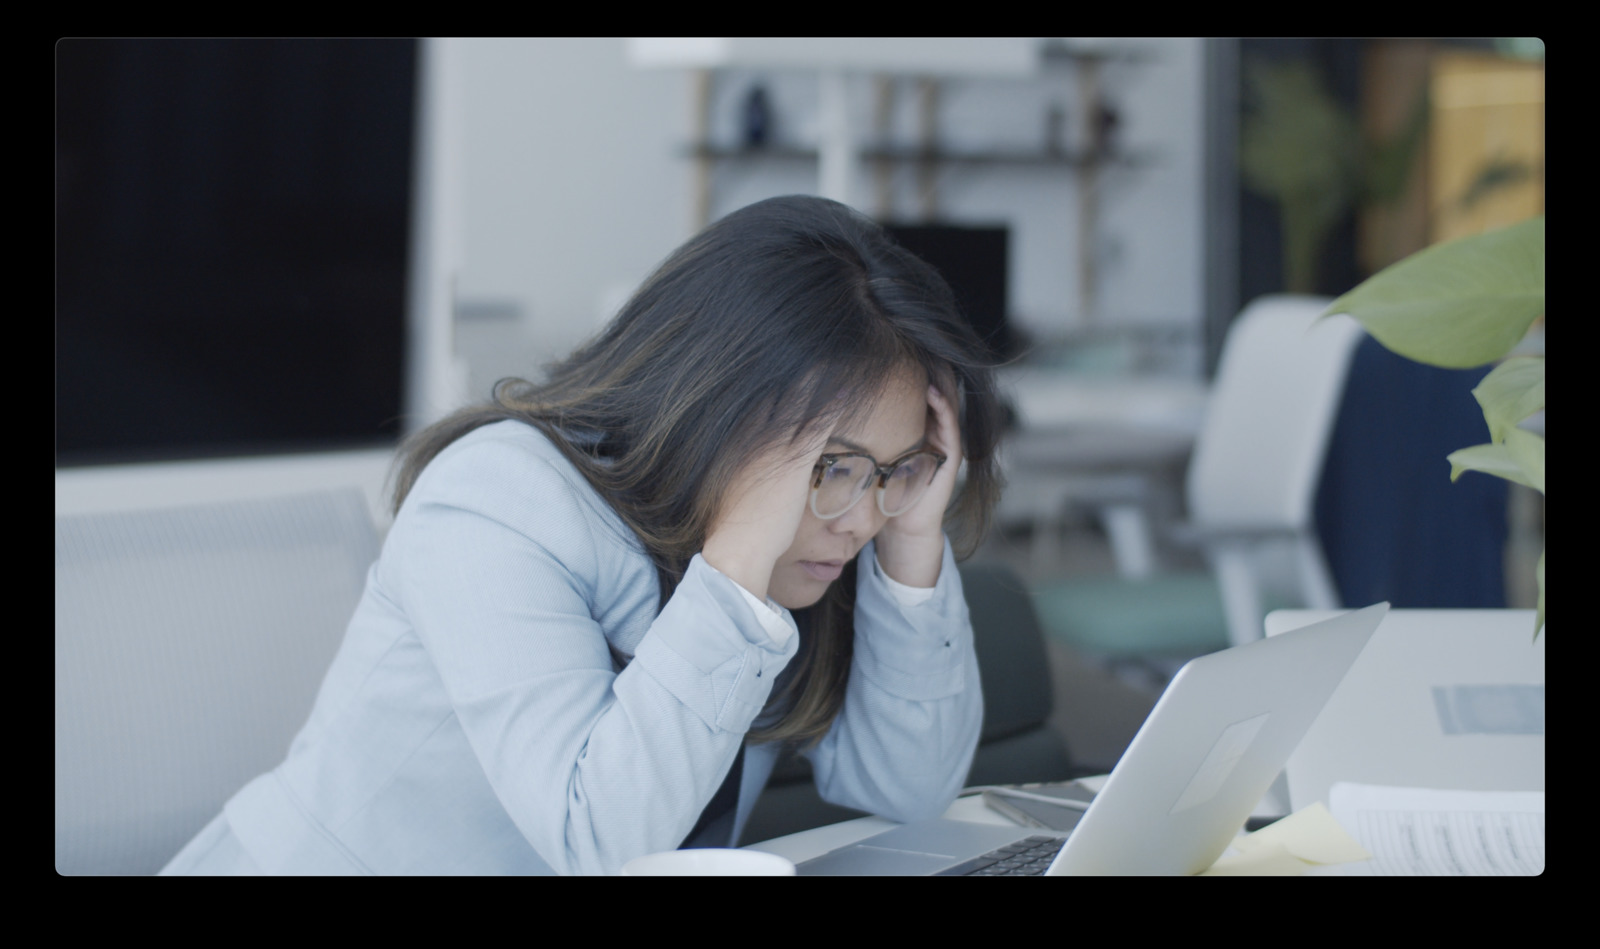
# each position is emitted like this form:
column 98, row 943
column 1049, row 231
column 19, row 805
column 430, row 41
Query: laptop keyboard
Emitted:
column 1025, row 858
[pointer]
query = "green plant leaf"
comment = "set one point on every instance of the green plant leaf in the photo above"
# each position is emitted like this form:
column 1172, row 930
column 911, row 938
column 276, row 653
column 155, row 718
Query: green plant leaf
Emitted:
column 1459, row 304
column 1511, row 393
column 1528, row 450
column 1302, row 148
column 1500, row 461
column 1297, row 139
column 1538, row 623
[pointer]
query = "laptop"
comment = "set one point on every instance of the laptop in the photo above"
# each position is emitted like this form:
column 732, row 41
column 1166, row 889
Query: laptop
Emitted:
column 1220, row 733
column 1441, row 698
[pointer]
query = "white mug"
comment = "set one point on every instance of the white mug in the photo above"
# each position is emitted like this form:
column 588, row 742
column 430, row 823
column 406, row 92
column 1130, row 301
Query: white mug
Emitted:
column 708, row 861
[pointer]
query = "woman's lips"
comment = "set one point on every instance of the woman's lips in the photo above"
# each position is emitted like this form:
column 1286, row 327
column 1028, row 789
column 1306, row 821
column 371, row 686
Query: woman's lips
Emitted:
column 823, row 570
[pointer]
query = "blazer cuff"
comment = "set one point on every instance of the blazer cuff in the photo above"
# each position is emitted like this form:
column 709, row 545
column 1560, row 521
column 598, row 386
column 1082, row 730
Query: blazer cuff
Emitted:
column 708, row 649
column 780, row 626
column 916, row 652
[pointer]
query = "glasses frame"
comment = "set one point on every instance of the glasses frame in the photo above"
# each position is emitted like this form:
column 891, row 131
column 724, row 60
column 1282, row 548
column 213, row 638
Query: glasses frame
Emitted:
column 881, row 471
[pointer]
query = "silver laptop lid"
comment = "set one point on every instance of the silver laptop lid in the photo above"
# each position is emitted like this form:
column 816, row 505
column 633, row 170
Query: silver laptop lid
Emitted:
column 1211, row 747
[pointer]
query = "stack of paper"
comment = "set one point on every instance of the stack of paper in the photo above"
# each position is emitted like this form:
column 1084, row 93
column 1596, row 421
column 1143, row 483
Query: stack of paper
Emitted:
column 1385, row 831
column 1421, row 832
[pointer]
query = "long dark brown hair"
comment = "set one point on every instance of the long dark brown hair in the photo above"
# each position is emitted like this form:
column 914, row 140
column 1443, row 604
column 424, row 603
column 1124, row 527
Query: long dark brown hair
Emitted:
column 786, row 313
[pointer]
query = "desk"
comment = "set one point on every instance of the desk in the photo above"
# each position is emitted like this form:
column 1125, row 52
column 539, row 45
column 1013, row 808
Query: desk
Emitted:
column 1387, row 723
column 817, row 841
column 1054, row 399
column 1117, row 443
column 802, row 846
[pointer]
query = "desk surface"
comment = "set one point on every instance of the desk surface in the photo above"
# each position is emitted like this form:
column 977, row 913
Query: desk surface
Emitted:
column 806, row 844
column 819, row 840
column 1050, row 399
column 1069, row 425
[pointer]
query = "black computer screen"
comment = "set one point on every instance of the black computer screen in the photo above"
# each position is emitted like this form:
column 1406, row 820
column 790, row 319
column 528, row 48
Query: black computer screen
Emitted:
column 232, row 231
column 974, row 261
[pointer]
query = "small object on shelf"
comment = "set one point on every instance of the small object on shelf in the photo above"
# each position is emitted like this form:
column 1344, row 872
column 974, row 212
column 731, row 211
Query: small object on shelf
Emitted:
column 757, row 118
column 1106, row 121
column 1055, row 127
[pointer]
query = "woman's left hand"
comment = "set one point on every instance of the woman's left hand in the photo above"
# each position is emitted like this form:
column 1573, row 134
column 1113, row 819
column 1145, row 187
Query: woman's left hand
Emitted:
column 910, row 547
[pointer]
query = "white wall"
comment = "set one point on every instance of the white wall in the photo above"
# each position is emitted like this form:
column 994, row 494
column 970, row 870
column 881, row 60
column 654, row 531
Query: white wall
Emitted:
column 572, row 187
column 575, row 185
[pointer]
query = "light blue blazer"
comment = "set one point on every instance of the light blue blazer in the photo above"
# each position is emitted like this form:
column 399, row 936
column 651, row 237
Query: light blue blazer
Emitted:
column 477, row 718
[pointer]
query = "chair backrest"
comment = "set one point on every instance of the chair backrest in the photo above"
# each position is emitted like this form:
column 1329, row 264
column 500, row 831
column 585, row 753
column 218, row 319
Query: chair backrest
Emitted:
column 1270, row 414
column 1393, row 526
column 190, row 643
column 1017, row 743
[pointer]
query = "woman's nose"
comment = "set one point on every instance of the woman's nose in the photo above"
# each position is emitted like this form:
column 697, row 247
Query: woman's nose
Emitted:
column 863, row 518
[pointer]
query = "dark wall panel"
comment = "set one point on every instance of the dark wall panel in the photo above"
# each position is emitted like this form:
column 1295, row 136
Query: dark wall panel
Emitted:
column 231, row 245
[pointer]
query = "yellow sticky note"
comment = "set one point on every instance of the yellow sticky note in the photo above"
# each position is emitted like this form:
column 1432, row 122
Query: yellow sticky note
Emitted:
column 1269, row 861
column 1309, row 836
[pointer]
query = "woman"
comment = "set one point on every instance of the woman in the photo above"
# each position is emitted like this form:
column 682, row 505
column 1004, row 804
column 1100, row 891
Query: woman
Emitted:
column 609, row 600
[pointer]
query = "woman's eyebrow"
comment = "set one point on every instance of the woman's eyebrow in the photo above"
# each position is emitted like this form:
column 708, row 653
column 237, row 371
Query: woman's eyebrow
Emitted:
column 852, row 446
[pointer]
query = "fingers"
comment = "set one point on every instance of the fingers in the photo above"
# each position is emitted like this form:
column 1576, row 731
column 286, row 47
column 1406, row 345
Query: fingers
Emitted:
column 947, row 427
column 761, row 514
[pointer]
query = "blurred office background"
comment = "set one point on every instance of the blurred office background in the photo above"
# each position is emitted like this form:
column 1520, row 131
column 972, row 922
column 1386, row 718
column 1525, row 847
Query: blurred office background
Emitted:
column 274, row 258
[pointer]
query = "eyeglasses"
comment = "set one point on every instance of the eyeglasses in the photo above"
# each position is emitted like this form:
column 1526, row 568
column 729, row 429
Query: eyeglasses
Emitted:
column 839, row 481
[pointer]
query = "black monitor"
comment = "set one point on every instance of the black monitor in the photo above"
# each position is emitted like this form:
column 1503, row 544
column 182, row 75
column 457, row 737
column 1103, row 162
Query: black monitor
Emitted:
column 975, row 261
column 233, row 222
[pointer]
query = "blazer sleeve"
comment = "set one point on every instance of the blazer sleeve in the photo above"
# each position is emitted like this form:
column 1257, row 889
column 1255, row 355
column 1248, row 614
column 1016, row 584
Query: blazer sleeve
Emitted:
column 903, row 742
column 506, row 565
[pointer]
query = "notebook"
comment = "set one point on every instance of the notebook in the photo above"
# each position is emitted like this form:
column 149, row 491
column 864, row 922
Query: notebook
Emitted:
column 1218, row 736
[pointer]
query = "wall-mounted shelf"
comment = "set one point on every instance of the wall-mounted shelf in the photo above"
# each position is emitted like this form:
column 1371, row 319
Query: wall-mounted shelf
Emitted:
column 836, row 155
column 913, row 155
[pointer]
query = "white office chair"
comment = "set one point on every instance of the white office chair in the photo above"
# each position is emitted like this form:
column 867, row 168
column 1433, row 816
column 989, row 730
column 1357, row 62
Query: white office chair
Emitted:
column 190, row 643
column 1252, row 482
column 1250, row 491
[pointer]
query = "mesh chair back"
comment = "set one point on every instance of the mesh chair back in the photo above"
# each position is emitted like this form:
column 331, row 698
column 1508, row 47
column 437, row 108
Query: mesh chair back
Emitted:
column 190, row 643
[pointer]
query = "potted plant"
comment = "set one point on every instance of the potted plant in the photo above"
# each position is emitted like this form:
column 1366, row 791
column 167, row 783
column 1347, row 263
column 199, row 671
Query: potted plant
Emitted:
column 1466, row 303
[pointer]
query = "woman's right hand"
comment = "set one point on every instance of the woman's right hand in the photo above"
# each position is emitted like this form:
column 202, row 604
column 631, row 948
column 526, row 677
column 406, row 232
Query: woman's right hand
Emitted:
column 762, row 511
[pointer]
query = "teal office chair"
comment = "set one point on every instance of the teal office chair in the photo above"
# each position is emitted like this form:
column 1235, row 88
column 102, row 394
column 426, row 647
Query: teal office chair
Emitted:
column 1250, row 490
column 1017, row 743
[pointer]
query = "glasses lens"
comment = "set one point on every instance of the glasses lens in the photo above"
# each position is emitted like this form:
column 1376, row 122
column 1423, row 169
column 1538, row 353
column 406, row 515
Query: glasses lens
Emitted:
column 843, row 482
column 907, row 483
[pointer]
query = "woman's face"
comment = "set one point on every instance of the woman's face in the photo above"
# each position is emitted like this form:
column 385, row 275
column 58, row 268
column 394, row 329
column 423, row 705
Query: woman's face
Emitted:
column 896, row 425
